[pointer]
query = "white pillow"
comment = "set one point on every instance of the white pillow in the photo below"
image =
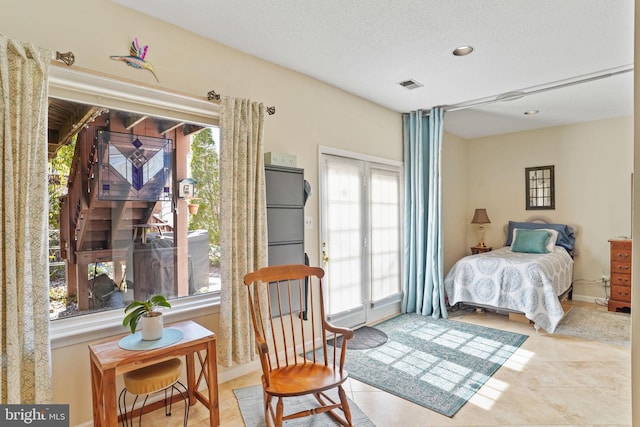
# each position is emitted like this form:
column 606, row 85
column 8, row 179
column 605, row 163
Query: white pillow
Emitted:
column 553, row 238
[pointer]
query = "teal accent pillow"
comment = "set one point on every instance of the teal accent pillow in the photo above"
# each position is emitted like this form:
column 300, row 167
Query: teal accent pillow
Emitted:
column 531, row 241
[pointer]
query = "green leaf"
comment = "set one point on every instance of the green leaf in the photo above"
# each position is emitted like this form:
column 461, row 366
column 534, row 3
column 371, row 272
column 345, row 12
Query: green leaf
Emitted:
column 133, row 318
column 133, row 304
column 159, row 300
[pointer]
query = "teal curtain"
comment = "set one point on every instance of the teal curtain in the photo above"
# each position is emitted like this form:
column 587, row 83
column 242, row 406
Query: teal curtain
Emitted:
column 423, row 283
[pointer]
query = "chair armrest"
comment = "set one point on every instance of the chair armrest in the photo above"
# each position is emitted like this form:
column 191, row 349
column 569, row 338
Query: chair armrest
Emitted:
column 263, row 352
column 345, row 332
column 262, row 345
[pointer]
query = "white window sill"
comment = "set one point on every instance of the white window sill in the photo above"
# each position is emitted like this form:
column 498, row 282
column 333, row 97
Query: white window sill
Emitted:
column 91, row 327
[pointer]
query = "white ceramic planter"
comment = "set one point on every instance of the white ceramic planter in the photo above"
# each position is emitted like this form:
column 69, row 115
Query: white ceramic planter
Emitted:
column 151, row 327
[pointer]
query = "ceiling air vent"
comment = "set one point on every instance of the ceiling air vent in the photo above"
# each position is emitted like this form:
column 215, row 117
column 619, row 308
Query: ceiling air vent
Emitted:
column 410, row 84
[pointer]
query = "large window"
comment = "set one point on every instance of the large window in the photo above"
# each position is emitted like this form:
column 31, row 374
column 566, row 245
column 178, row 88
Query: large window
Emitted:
column 119, row 228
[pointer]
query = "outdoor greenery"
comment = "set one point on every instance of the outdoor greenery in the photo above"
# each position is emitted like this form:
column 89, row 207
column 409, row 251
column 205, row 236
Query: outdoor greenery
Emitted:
column 205, row 170
column 59, row 168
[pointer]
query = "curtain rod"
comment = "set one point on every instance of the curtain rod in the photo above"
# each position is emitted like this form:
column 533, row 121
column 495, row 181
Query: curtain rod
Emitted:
column 69, row 58
column 517, row 94
column 212, row 95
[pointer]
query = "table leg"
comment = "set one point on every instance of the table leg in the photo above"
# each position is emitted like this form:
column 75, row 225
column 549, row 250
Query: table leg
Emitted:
column 110, row 404
column 103, row 395
column 96, row 395
column 212, row 370
column 191, row 378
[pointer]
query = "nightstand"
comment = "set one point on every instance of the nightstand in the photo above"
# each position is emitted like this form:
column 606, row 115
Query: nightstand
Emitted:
column 479, row 250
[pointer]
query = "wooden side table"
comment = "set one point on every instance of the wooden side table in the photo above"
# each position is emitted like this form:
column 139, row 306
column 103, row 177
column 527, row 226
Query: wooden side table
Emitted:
column 108, row 359
column 478, row 250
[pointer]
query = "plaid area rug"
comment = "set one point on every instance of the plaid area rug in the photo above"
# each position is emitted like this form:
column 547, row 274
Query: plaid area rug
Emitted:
column 250, row 402
column 436, row 363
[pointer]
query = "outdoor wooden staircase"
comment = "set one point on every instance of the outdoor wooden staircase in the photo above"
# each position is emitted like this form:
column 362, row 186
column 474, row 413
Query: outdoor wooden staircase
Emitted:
column 94, row 230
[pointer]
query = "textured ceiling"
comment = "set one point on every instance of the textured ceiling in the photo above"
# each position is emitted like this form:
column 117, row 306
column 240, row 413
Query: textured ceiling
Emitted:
column 366, row 47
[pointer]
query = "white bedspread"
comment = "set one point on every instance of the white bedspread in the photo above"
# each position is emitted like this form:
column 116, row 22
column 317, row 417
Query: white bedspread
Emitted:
column 527, row 283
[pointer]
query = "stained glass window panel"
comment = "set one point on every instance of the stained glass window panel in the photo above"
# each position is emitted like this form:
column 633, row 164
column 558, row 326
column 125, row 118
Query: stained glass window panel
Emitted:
column 134, row 167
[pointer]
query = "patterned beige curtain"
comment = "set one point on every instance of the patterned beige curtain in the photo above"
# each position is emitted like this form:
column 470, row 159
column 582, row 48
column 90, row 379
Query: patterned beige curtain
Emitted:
column 25, row 373
column 243, row 235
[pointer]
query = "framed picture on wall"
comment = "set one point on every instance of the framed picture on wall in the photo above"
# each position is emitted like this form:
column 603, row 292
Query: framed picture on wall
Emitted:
column 540, row 188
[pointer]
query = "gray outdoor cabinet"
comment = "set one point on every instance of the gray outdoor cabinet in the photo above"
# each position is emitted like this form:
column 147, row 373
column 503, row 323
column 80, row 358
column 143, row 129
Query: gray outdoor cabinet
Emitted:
column 285, row 217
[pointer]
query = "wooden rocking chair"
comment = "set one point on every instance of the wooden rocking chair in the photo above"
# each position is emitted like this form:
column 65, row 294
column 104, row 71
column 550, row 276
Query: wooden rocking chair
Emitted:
column 280, row 298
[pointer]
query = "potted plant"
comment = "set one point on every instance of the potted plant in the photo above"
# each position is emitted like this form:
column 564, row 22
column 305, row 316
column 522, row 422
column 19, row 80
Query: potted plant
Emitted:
column 146, row 312
column 193, row 206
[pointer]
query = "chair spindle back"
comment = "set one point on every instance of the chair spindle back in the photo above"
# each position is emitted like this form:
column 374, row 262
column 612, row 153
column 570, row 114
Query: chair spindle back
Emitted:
column 287, row 310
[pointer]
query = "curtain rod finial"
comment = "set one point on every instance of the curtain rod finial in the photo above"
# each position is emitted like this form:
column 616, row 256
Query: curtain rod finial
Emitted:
column 213, row 96
column 271, row 110
column 67, row 57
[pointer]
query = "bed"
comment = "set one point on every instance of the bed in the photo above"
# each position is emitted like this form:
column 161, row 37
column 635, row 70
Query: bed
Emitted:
column 529, row 275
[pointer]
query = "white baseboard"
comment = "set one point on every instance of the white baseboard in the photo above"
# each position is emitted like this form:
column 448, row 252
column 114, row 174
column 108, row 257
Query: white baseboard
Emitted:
column 585, row 298
column 227, row 374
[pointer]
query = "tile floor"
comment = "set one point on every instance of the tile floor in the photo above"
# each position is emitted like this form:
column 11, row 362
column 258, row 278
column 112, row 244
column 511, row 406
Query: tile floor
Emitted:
column 551, row 380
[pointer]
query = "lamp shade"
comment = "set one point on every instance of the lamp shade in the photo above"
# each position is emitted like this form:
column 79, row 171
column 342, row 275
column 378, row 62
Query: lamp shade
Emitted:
column 480, row 217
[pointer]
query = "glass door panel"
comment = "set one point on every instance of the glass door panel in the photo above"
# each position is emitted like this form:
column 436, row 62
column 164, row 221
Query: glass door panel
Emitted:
column 343, row 234
column 385, row 233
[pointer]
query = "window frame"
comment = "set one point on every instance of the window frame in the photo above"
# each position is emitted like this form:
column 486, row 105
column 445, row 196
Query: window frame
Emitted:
column 89, row 327
column 84, row 87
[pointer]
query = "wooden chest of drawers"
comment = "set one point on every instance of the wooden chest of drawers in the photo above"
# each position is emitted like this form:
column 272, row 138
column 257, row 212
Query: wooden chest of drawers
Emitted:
column 620, row 275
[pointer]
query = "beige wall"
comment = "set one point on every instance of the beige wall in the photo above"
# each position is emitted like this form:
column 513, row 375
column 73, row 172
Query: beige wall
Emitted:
column 454, row 198
column 593, row 165
column 309, row 113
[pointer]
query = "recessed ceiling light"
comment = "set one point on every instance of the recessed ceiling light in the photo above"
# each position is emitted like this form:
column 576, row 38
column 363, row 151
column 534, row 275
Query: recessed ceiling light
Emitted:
column 463, row 50
column 531, row 112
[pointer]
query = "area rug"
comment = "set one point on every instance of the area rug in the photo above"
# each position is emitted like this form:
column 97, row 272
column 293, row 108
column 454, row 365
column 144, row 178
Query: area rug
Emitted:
column 250, row 401
column 435, row 363
column 364, row 338
column 603, row 326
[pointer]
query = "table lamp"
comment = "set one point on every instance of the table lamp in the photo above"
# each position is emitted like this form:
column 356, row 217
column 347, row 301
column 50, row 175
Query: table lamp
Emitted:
column 480, row 217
